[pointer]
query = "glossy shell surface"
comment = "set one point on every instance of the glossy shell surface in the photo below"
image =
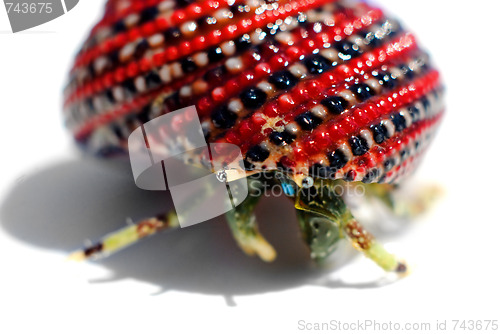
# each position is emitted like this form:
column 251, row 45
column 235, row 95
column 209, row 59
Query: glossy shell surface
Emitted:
column 331, row 89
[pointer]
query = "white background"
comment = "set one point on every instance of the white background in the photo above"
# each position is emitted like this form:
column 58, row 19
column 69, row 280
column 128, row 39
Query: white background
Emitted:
column 195, row 279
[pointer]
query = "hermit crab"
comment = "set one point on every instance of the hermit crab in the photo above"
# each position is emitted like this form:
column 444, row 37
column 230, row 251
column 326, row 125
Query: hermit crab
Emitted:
column 319, row 95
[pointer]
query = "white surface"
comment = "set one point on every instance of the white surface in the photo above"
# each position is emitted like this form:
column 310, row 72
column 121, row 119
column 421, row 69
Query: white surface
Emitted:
column 191, row 280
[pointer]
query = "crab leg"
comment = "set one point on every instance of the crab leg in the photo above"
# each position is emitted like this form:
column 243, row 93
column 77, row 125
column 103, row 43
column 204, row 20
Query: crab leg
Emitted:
column 126, row 236
column 403, row 207
column 243, row 224
column 322, row 200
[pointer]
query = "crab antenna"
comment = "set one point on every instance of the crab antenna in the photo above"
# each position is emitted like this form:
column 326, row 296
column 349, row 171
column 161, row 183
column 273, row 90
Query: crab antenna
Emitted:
column 126, row 236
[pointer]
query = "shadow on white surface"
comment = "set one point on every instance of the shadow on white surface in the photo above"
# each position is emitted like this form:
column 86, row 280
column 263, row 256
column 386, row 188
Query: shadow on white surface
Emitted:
column 60, row 206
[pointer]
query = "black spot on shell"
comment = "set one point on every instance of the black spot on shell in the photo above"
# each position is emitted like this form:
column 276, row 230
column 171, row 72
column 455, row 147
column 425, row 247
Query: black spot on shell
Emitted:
column 399, row 122
column 203, row 21
column 152, row 80
column 362, row 91
column 243, row 43
column 359, row 145
column 414, row 113
column 143, row 116
column 215, row 54
column 281, row 138
column 335, row 104
column 172, row 34
column 404, row 154
column 308, row 121
column 141, row 48
column 347, row 50
column 91, row 70
column 129, row 85
column 370, row 39
column 407, row 72
column 283, row 80
column 257, row 154
column 188, row 65
column 174, row 100
column 215, row 75
column 117, row 131
column 90, row 105
column 386, row 80
column 224, row 118
column 184, row 3
column 380, row 133
column 371, row 176
column 389, row 164
column 119, row 27
column 337, row 160
column 317, row 64
column 149, row 14
column 114, row 57
column 110, row 96
column 426, row 103
column 253, row 98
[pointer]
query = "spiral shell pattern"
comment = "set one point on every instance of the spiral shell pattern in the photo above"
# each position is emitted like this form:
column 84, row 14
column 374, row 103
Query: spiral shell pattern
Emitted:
column 326, row 88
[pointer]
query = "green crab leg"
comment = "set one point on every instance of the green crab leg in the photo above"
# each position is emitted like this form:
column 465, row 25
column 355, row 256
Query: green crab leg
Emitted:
column 323, row 200
column 129, row 235
column 243, row 224
column 408, row 207
column 126, row 236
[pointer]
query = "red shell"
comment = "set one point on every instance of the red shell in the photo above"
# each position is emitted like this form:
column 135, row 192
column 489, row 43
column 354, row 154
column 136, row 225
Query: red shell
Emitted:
column 323, row 88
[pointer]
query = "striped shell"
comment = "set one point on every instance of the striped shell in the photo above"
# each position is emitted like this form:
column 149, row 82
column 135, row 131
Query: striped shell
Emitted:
column 317, row 87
